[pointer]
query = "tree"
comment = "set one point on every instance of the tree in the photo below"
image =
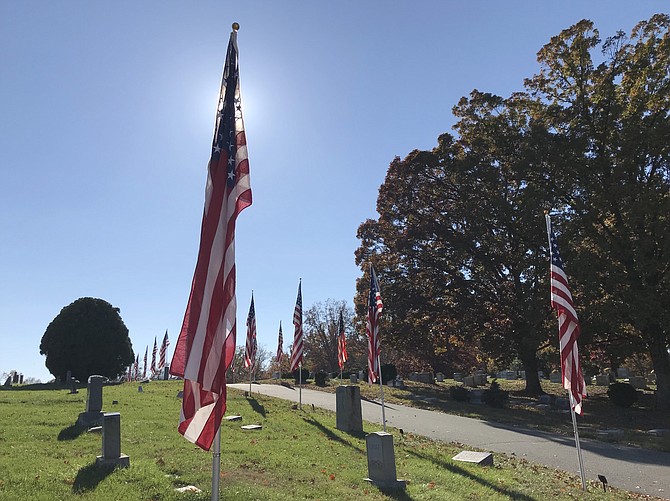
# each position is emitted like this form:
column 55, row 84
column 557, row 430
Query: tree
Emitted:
column 87, row 337
column 320, row 327
column 614, row 122
column 460, row 243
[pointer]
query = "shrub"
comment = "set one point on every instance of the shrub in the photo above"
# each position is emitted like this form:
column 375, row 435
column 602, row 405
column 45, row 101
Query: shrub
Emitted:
column 305, row 375
column 494, row 396
column 320, row 378
column 389, row 372
column 459, row 393
column 622, row 394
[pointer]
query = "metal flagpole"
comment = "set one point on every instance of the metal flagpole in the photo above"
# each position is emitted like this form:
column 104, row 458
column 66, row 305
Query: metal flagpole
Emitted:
column 216, row 465
column 300, row 384
column 381, row 389
column 579, row 449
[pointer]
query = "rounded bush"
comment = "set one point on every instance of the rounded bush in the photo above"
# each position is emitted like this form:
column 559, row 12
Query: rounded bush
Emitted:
column 622, row 394
column 320, row 378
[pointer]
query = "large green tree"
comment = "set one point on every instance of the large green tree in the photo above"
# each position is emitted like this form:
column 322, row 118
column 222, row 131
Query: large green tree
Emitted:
column 87, row 337
column 613, row 119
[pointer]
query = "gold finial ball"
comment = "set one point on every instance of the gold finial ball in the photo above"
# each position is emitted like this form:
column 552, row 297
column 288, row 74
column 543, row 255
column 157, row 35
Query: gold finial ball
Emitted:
column 236, row 26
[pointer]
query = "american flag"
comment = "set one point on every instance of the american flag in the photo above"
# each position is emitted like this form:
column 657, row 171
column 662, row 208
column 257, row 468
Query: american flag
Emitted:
column 206, row 343
column 375, row 307
column 146, row 356
column 568, row 325
column 250, row 350
column 296, row 352
column 162, row 355
column 153, row 357
column 280, row 345
column 136, row 367
column 341, row 343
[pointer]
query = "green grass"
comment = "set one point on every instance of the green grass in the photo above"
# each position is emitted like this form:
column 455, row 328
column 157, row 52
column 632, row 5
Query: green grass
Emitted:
column 297, row 455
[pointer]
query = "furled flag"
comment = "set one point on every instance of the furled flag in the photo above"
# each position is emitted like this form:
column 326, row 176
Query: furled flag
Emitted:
column 206, row 343
column 568, row 325
column 162, row 355
column 375, row 307
column 136, row 367
column 296, row 352
column 341, row 343
column 250, row 350
column 280, row 345
column 153, row 357
column 144, row 369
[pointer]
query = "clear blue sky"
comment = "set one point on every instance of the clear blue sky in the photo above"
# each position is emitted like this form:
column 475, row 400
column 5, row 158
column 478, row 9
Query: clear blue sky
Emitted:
column 107, row 115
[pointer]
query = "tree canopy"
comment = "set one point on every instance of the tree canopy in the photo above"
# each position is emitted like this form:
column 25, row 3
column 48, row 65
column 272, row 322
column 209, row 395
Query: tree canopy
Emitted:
column 460, row 245
column 87, row 337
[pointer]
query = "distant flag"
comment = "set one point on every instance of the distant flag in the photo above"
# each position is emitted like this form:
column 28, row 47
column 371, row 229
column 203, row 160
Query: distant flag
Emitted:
column 341, row 343
column 153, row 357
column 163, row 353
column 375, row 307
column 136, row 367
column 280, row 345
column 250, row 350
column 296, row 352
column 568, row 325
column 146, row 356
column 206, row 344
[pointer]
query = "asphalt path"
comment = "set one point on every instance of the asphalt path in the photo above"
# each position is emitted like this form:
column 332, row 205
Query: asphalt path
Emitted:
column 635, row 469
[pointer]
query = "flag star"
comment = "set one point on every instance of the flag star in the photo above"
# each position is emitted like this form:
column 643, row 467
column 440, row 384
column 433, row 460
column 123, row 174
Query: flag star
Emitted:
column 231, row 175
column 217, row 149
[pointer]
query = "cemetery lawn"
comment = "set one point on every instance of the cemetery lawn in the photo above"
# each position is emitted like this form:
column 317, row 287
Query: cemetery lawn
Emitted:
column 297, row 455
column 599, row 414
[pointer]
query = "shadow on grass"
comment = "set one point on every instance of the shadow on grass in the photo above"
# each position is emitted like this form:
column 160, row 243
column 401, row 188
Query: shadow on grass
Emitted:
column 89, row 477
column 258, row 408
column 512, row 494
column 71, row 432
column 333, row 436
column 399, row 494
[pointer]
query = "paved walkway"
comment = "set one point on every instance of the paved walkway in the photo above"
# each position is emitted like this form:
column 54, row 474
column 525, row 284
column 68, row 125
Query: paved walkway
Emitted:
column 633, row 469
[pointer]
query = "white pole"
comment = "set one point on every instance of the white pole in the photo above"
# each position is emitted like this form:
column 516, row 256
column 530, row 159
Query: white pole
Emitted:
column 381, row 389
column 300, row 384
column 216, row 465
column 579, row 449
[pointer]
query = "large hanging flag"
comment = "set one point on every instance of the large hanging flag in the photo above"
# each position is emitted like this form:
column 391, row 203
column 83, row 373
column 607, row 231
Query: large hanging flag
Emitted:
column 250, row 349
column 280, row 345
column 341, row 343
column 375, row 307
column 568, row 325
column 296, row 352
column 162, row 355
column 153, row 357
column 206, row 343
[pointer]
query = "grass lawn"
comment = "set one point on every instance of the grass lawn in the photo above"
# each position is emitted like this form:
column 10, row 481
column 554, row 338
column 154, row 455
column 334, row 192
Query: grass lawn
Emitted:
column 297, row 455
column 599, row 413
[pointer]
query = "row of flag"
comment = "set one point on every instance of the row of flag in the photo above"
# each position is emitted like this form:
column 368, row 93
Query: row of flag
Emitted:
column 206, row 344
column 133, row 373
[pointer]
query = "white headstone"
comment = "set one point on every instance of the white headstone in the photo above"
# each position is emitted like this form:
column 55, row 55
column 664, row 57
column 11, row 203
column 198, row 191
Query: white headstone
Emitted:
column 381, row 461
column 480, row 458
column 111, row 442
column 348, row 408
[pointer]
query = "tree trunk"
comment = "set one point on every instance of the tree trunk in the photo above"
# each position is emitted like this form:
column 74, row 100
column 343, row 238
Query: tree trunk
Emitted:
column 529, row 361
column 658, row 350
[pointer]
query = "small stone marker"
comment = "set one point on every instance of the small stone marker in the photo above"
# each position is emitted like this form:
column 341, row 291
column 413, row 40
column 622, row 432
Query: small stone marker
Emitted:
column 555, row 377
column 111, row 443
column 381, row 461
column 353, row 378
column 140, row 389
column 348, row 408
column 440, row 377
column 71, row 382
column 480, row 458
column 95, row 429
column 251, row 427
column 93, row 414
column 458, row 376
column 233, row 418
column 188, row 488
column 180, row 394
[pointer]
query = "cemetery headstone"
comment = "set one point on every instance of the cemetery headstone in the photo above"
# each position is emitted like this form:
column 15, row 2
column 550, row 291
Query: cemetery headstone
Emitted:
column 111, row 443
column 353, row 378
column 20, row 378
column 480, row 379
column 440, row 377
column 458, row 376
column 476, row 397
column 381, row 461
column 602, row 380
column 555, row 377
column 480, row 458
column 638, row 382
column 15, row 378
column 622, row 373
column 93, row 414
column 469, row 381
column 8, row 381
column 348, row 408
column 166, row 373
column 276, row 375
